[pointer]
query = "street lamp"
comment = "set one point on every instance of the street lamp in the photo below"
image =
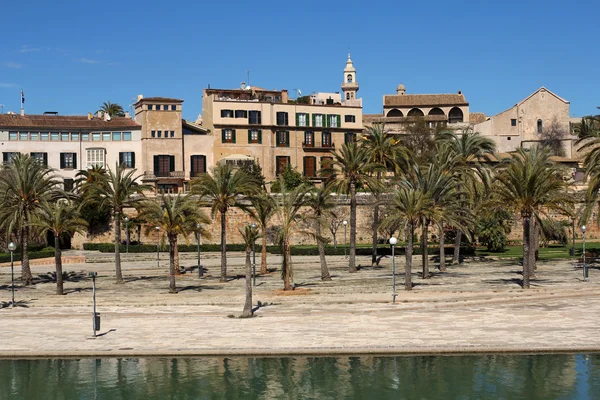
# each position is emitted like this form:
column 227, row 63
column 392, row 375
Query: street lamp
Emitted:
column 345, row 224
column 157, row 247
column 126, row 219
column 12, row 247
column 253, row 226
column 585, row 271
column 200, row 272
column 393, row 242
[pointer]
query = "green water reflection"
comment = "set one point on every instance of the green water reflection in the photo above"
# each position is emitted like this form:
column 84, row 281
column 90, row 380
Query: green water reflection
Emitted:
column 450, row 377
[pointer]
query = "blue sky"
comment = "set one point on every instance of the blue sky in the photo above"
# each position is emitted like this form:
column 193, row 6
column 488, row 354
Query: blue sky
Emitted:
column 70, row 56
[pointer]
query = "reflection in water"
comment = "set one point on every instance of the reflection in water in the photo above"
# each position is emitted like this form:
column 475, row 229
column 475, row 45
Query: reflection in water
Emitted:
column 450, row 377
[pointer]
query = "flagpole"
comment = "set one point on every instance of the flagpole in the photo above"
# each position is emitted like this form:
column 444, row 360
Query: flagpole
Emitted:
column 22, row 102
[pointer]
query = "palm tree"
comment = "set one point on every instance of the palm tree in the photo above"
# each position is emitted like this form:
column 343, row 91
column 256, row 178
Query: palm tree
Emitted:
column 383, row 150
column 59, row 218
column 321, row 205
column 263, row 207
column 112, row 109
column 223, row 189
column 249, row 235
column 350, row 169
column 117, row 190
column 86, row 184
column 25, row 184
column 531, row 184
column 175, row 215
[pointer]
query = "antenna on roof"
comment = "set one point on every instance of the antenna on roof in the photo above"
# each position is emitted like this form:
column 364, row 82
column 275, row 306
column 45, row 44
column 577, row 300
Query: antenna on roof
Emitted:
column 248, row 78
column 298, row 92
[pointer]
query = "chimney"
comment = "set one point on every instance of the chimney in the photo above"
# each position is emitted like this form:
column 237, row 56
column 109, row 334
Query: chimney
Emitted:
column 22, row 111
column 127, row 115
column 140, row 96
column 90, row 116
column 100, row 114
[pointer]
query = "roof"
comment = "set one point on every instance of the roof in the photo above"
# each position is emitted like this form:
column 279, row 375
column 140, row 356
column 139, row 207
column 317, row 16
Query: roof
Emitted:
column 163, row 99
column 419, row 100
column 477, row 117
column 542, row 89
column 194, row 126
column 15, row 121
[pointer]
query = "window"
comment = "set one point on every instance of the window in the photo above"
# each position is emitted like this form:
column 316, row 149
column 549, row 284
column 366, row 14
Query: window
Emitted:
column 165, row 107
column 241, row 114
column 347, row 96
column 23, row 136
column 40, row 157
column 349, row 137
column 318, row 120
column 54, row 136
column 116, row 136
column 326, row 165
column 455, row 115
column 167, row 189
column 228, row 136
column 349, row 78
column 173, row 107
column 282, row 139
column 540, row 126
column 68, row 160
column 149, row 106
column 309, row 139
column 163, row 165
column 127, row 136
column 34, row 136
column 254, row 136
column 75, row 137
column 254, row 117
column 349, row 118
column 281, row 162
column 326, row 139
column 95, row 157
column 96, row 137
column 127, row 159
column 310, row 166
column 508, row 138
column 282, row 118
column 64, row 137
column 513, row 122
column 85, row 137
column 106, row 136
column 158, row 133
column 68, row 185
column 153, row 134
column 12, row 136
column 302, row 119
column 172, row 134
column 333, row 120
column 44, row 136
column 197, row 165
column 8, row 156
column 226, row 113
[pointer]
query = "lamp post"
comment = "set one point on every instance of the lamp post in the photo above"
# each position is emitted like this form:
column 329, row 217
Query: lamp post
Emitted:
column 572, row 251
column 157, row 247
column 585, row 271
column 126, row 219
column 253, row 226
column 200, row 272
column 345, row 224
column 96, row 316
column 393, row 242
column 12, row 247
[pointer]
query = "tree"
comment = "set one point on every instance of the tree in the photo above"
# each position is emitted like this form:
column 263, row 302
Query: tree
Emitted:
column 59, row 218
column 222, row 189
column 25, row 184
column 419, row 140
column 263, row 207
column 493, row 227
column 531, row 184
column 86, row 183
column 119, row 189
column 249, row 235
column 112, row 109
column 291, row 179
column 321, row 205
column 175, row 215
column 351, row 168
column 552, row 138
column 254, row 171
column 336, row 220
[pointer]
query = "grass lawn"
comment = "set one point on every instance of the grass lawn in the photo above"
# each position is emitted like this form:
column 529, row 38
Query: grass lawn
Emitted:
column 546, row 253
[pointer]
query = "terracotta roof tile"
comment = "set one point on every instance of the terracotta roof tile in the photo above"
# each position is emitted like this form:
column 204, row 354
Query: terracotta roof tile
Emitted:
column 477, row 117
column 16, row 121
column 165, row 99
column 417, row 100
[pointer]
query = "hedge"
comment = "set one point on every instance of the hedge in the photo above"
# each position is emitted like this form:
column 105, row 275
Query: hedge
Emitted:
column 44, row 253
column 151, row 248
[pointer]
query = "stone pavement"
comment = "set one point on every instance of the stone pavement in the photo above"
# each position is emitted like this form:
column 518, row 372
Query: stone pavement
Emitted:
column 475, row 307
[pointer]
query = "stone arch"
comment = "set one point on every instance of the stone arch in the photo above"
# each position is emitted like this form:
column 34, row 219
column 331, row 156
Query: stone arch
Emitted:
column 395, row 113
column 436, row 111
column 455, row 115
column 415, row 112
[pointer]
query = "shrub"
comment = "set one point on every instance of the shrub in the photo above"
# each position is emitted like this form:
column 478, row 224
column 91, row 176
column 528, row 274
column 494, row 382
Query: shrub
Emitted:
column 44, row 253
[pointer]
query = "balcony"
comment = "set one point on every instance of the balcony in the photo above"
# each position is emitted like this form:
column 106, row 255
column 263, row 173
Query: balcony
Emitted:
column 315, row 147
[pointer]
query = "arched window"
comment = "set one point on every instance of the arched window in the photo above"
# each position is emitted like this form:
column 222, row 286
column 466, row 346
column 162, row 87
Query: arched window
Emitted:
column 436, row 111
column 540, row 126
column 395, row 113
column 455, row 115
column 415, row 112
column 349, row 78
column 347, row 96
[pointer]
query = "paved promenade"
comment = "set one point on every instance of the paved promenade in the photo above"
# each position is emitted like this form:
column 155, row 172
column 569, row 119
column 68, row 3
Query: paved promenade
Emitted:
column 475, row 307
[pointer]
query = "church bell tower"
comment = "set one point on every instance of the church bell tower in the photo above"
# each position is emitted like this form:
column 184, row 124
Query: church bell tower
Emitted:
column 349, row 85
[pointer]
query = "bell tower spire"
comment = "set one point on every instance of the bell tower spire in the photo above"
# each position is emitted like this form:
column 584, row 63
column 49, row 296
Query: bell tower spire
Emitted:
column 349, row 85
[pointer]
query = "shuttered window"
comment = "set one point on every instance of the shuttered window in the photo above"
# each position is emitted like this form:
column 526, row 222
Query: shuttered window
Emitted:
column 68, row 160
column 281, row 162
column 349, row 137
column 310, row 166
column 326, row 165
column 309, row 139
column 127, row 159
column 283, row 138
column 254, row 136
column 282, row 118
column 197, row 165
column 254, row 118
column 41, row 158
column 302, row 119
column 163, row 165
column 228, row 136
column 326, row 139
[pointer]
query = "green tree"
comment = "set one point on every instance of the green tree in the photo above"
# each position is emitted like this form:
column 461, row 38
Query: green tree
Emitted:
column 493, row 227
column 254, row 171
column 321, row 204
column 112, row 109
column 263, row 207
column 249, row 235
column 25, row 184
column 59, row 218
column 175, row 215
column 291, row 179
column 86, row 183
column 223, row 189
column 531, row 184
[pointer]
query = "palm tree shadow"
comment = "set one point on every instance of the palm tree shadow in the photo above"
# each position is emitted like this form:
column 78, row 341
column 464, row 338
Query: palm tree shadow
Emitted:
column 8, row 304
column 198, row 288
column 260, row 305
column 106, row 333
column 144, row 278
column 70, row 276
column 77, row 290
column 235, row 277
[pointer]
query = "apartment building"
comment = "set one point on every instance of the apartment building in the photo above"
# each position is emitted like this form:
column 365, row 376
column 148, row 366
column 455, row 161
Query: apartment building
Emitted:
column 268, row 127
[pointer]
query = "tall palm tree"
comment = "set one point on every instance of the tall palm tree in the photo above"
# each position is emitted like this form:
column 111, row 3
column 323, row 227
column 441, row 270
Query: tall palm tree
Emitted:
column 87, row 183
column 249, row 235
column 223, row 189
column 117, row 190
column 532, row 185
column 321, row 204
column 351, row 168
column 59, row 218
column 263, row 207
column 112, row 109
column 175, row 215
column 383, row 150
column 25, row 184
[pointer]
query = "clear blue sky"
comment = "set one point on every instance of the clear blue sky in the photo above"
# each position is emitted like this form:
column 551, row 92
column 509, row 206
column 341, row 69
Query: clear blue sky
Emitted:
column 70, row 56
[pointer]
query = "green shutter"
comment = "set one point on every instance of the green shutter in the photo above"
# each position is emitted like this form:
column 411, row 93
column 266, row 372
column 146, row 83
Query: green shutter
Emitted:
column 156, row 165
column 132, row 159
column 259, row 136
column 222, row 135
column 233, row 136
column 314, row 120
column 297, row 119
column 249, row 135
column 171, row 163
column 287, row 138
column 62, row 160
column 307, row 119
column 45, row 158
column 327, row 124
column 120, row 158
column 339, row 121
column 75, row 160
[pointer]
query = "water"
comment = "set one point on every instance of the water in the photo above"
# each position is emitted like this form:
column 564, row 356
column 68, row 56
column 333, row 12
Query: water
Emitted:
column 435, row 377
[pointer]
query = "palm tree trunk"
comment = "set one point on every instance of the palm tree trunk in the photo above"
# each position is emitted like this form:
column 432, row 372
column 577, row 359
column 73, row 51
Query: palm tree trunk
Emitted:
column 374, row 227
column 263, row 254
column 172, row 250
column 248, row 304
column 223, row 247
column 117, row 226
column 534, row 235
column 176, row 260
column 409, row 254
column 58, row 262
column 425, row 257
column 286, row 265
column 442, row 249
column 26, row 276
column 526, row 249
column 352, row 266
column 457, row 241
column 325, row 276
